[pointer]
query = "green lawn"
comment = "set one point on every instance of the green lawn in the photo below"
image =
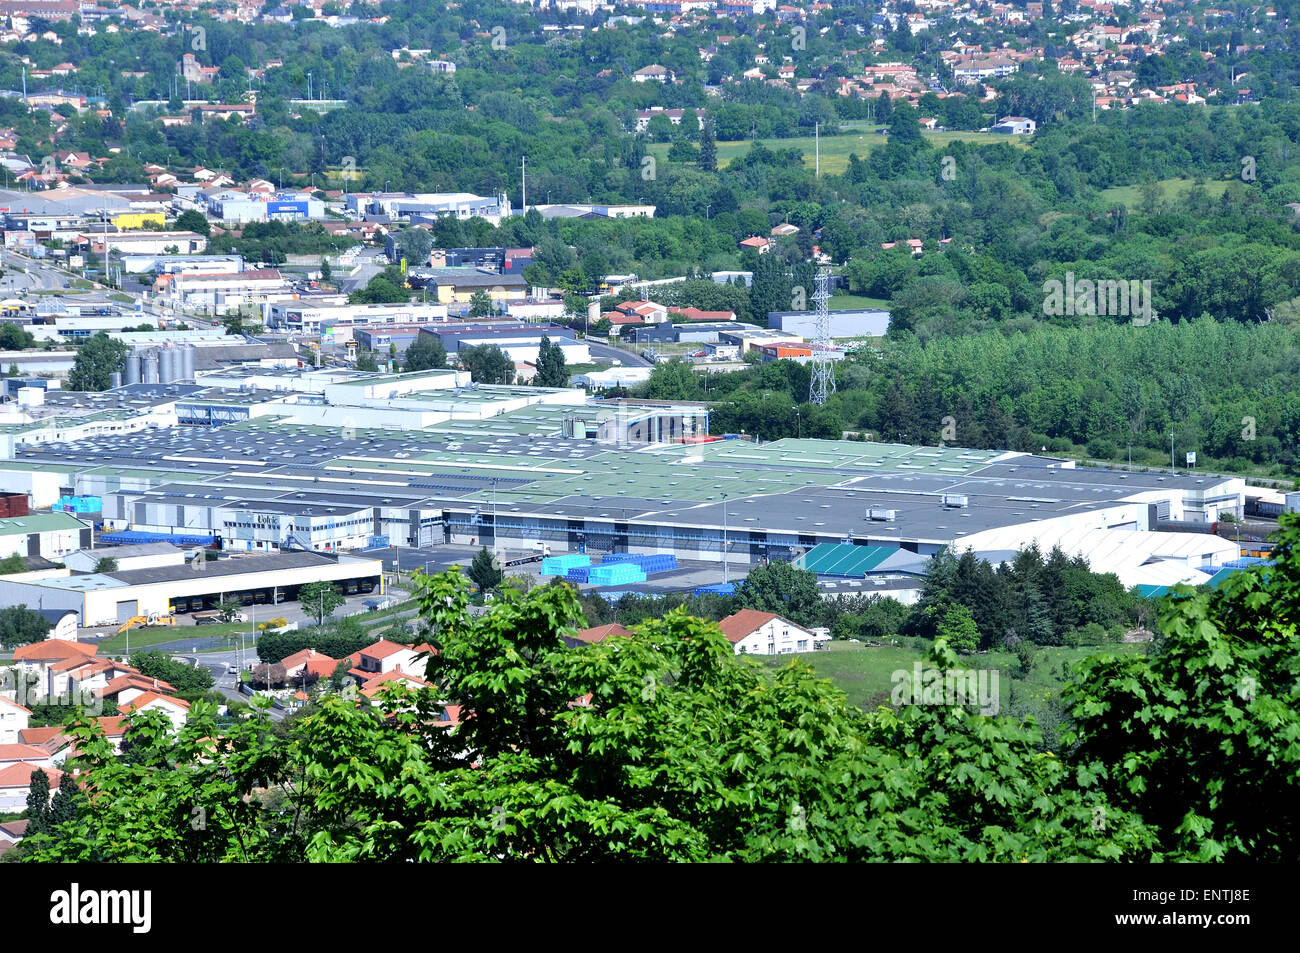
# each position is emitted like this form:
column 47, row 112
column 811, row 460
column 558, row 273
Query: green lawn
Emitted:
column 845, row 302
column 866, row 673
column 861, row 139
column 149, row 636
column 1170, row 189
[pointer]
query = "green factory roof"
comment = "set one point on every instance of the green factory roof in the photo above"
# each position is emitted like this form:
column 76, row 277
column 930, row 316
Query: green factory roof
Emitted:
column 39, row 523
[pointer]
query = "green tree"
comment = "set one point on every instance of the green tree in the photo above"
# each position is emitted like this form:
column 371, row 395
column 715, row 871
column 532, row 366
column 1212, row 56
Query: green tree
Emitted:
column 15, row 338
column 320, row 599
column 106, row 564
column 480, row 304
column 487, row 364
column 66, row 806
column 781, row 588
column 12, row 563
column 39, row 818
column 20, row 625
column 97, row 360
column 192, row 220
column 326, row 272
column 551, row 370
column 1198, row 736
column 958, row 628
column 366, row 360
column 485, row 571
column 191, row 682
column 426, row 351
column 708, row 159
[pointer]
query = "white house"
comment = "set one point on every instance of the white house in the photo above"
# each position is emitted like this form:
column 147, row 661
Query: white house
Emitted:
column 1015, row 126
column 40, row 658
column 176, row 710
column 383, row 657
column 16, row 782
column 765, row 633
column 13, row 719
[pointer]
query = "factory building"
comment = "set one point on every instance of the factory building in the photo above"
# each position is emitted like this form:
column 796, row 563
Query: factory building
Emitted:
column 113, row 598
column 265, row 460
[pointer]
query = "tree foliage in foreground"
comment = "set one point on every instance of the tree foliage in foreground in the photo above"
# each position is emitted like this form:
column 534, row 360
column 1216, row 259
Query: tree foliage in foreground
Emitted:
column 666, row 746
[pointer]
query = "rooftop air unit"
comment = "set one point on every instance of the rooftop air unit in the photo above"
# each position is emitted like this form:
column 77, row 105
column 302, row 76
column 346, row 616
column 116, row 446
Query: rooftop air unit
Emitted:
column 955, row 500
column 879, row 515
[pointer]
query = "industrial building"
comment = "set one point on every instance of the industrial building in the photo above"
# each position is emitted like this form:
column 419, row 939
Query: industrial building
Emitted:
column 851, row 323
column 114, row 597
column 280, row 461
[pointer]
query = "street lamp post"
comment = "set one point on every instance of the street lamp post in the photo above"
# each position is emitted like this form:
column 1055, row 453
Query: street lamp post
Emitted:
column 798, row 423
column 724, row 539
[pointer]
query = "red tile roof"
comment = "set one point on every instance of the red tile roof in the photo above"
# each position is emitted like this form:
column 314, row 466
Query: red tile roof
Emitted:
column 148, row 698
column 22, row 752
column 740, row 624
column 19, row 775
column 600, row 633
column 53, row 650
column 38, row 736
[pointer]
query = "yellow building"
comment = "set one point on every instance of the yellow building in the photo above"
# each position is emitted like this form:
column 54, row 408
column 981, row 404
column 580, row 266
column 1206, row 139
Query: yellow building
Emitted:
column 132, row 220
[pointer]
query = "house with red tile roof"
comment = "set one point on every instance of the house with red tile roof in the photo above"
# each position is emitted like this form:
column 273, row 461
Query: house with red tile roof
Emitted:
column 177, row 710
column 598, row 633
column 38, row 658
column 128, row 687
column 309, row 661
column 16, row 783
column 752, row 632
column 757, row 243
column 384, row 656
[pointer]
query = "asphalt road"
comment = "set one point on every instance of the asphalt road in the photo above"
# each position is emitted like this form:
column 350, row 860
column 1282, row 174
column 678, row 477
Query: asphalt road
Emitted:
column 603, row 353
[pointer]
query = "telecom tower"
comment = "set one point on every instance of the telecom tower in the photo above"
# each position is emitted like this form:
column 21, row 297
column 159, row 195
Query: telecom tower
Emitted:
column 823, row 371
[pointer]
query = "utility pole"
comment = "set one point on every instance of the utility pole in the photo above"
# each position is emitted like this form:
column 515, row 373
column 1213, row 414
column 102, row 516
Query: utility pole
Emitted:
column 817, row 149
column 523, row 189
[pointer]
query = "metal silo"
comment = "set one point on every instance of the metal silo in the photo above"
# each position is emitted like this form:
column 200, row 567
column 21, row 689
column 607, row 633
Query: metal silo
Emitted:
column 187, row 363
column 133, row 367
column 150, row 367
column 115, row 380
column 167, row 365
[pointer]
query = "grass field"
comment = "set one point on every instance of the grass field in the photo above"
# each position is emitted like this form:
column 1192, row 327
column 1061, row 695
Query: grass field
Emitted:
column 866, row 673
column 861, row 139
column 845, row 302
column 1170, row 190
column 149, row 636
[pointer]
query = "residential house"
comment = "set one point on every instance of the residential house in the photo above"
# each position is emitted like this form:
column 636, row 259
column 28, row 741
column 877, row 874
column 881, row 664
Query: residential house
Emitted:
column 13, row 721
column 654, row 73
column 383, row 656
column 1015, row 126
column 595, row 634
column 38, row 658
column 310, row 663
column 16, row 783
column 176, row 709
column 752, row 632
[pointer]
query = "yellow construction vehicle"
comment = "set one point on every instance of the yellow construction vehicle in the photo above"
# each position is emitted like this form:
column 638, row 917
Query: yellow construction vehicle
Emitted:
column 153, row 618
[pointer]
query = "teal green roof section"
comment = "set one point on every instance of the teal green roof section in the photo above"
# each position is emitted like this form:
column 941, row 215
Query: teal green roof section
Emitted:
column 841, row 559
column 39, row 523
column 1152, row 592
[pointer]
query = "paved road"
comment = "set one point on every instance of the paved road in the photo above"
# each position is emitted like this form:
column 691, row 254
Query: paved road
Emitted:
column 604, row 353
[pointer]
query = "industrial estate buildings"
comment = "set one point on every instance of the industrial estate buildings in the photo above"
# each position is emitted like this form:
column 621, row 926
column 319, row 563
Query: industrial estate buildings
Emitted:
column 298, row 473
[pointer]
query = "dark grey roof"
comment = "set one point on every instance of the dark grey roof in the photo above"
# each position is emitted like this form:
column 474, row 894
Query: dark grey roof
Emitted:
column 230, row 566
